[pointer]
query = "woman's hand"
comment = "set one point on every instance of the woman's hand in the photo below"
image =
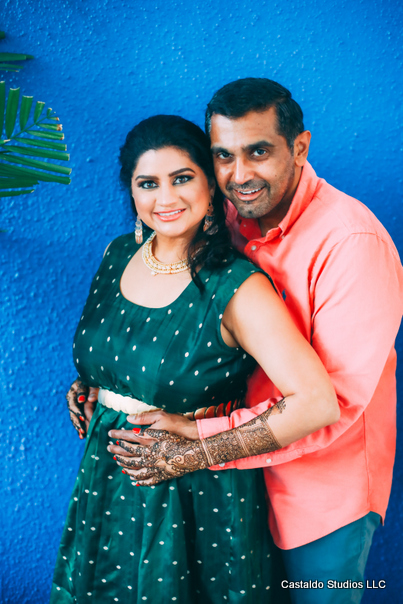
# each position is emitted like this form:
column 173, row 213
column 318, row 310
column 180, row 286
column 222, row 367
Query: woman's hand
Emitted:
column 172, row 436
column 81, row 402
column 167, row 456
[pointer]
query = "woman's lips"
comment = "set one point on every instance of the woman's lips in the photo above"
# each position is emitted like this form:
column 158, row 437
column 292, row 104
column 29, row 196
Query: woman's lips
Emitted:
column 169, row 215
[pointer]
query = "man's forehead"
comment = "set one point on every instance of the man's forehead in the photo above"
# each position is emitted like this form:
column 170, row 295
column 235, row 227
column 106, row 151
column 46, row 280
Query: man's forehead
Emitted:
column 244, row 131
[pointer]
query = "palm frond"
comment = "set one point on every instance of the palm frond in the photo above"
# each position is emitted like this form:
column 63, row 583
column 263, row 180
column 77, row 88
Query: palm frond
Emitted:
column 28, row 136
column 7, row 58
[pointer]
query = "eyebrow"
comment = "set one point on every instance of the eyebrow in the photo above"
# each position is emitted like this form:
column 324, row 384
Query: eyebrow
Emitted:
column 175, row 173
column 251, row 147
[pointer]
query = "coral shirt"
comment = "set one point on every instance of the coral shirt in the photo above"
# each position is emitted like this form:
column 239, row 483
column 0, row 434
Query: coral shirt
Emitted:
column 342, row 281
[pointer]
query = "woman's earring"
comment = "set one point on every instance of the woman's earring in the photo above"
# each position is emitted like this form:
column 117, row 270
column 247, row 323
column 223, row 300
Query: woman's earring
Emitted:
column 208, row 219
column 138, row 231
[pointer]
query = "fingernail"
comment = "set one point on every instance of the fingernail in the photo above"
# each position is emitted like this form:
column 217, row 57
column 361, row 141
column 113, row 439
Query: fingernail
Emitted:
column 108, row 449
column 82, row 431
column 123, row 471
column 81, row 399
column 82, row 418
column 114, row 458
column 117, row 442
column 137, row 484
column 136, row 430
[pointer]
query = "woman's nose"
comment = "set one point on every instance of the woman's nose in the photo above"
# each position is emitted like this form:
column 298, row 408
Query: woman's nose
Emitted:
column 167, row 195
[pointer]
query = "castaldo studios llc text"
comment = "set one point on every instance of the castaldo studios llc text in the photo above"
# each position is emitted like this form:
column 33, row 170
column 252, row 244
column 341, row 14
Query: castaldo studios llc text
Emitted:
column 331, row 584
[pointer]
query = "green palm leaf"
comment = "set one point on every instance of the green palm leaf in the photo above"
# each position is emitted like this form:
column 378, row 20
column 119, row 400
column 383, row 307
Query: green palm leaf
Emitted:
column 6, row 57
column 28, row 136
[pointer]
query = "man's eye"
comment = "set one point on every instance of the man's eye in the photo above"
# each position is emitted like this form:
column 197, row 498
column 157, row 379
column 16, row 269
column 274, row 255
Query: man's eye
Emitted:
column 259, row 152
column 180, row 180
column 147, row 184
column 223, row 155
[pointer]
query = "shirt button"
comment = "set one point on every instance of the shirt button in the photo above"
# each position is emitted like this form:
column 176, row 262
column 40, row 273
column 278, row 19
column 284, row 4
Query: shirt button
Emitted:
column 253, row 248
column 268, row 460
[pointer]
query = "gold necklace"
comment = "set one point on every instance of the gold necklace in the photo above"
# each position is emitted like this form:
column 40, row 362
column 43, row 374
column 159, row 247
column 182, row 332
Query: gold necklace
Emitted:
column 160, row 268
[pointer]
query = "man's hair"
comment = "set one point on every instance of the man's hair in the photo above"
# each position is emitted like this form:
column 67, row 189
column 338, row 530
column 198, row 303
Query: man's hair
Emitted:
column 238, row 98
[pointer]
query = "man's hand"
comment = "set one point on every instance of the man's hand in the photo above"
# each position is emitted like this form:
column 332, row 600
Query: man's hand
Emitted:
column 171, row 448
column 81, row 402
column 159, row 456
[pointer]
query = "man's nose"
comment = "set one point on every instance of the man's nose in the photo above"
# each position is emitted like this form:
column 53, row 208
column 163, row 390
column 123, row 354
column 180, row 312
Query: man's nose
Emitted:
column 242, row 171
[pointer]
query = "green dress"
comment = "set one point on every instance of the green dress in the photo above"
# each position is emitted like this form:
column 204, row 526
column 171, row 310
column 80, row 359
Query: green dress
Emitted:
column 201, row 538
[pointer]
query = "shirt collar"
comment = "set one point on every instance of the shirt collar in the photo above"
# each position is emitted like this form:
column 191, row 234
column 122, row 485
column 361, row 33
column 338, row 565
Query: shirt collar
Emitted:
column 249, row 227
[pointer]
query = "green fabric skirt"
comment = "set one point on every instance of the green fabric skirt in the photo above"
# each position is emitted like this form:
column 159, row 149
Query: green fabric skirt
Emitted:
column 201, row 538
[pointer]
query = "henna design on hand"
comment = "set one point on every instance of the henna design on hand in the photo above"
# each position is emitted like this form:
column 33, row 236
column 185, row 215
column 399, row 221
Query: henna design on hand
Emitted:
column 76, row 409
column 170, row 457
column 173, row 456
column 250, row 439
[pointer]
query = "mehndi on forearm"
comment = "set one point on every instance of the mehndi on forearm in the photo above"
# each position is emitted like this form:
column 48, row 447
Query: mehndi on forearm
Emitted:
column 253, row 438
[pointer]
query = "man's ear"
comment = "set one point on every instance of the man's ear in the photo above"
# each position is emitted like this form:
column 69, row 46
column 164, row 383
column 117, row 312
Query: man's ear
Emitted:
column 301, row 148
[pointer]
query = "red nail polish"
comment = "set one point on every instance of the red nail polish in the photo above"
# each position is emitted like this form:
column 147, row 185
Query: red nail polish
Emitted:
column 81, row 399
column 114, row 458
column 136, row 430
column 82, row 418
column 81, row 430
column 123, row 471
column 117, row 442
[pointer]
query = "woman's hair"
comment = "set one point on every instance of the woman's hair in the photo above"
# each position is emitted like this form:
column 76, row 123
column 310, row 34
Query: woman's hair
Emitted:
column 211, row 248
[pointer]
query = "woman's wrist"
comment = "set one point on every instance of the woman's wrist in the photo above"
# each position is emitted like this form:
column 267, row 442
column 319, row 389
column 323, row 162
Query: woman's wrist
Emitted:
column 253, row 438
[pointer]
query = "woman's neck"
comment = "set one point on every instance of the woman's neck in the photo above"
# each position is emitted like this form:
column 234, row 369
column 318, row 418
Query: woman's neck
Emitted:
column 170, row 249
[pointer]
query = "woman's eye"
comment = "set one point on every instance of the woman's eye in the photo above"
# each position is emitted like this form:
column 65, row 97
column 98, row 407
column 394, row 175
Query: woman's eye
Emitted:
column 147, row 184
column 180, row 180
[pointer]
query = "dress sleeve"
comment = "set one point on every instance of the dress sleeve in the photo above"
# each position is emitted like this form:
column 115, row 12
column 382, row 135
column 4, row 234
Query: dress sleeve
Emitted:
column 357, row 308
column 231, row 278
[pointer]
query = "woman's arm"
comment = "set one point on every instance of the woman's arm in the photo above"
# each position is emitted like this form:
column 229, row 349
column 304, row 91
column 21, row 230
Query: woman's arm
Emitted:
column 257, row 320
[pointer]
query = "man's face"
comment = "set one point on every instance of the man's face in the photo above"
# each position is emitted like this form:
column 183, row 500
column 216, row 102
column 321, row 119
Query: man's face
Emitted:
column 254, row 166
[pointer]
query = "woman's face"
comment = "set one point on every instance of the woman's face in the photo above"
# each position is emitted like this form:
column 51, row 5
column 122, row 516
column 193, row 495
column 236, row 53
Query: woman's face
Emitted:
column 171, row 192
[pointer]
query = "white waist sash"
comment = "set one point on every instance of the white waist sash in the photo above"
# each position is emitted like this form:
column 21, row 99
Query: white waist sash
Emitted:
column 125, row 404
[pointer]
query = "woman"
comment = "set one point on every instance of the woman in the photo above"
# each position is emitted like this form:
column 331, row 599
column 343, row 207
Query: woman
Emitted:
column 162, row 328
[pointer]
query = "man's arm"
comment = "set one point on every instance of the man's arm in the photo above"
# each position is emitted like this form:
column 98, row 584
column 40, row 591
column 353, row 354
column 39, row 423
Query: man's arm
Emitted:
column 356, row 316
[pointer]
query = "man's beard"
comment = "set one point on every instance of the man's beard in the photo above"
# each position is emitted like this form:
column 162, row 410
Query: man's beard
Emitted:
column 246, row 208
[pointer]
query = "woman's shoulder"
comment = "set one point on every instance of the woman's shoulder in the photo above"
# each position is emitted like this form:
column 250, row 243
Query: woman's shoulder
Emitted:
column 118, row 252
column 240, row 269
column 229, row 278
column 122, row 243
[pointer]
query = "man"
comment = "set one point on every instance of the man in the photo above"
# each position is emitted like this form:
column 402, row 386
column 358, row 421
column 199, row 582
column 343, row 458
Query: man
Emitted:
column 340, row 276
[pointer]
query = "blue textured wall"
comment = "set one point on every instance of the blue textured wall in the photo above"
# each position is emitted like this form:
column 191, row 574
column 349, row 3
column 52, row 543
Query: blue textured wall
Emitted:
column 103, row 65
